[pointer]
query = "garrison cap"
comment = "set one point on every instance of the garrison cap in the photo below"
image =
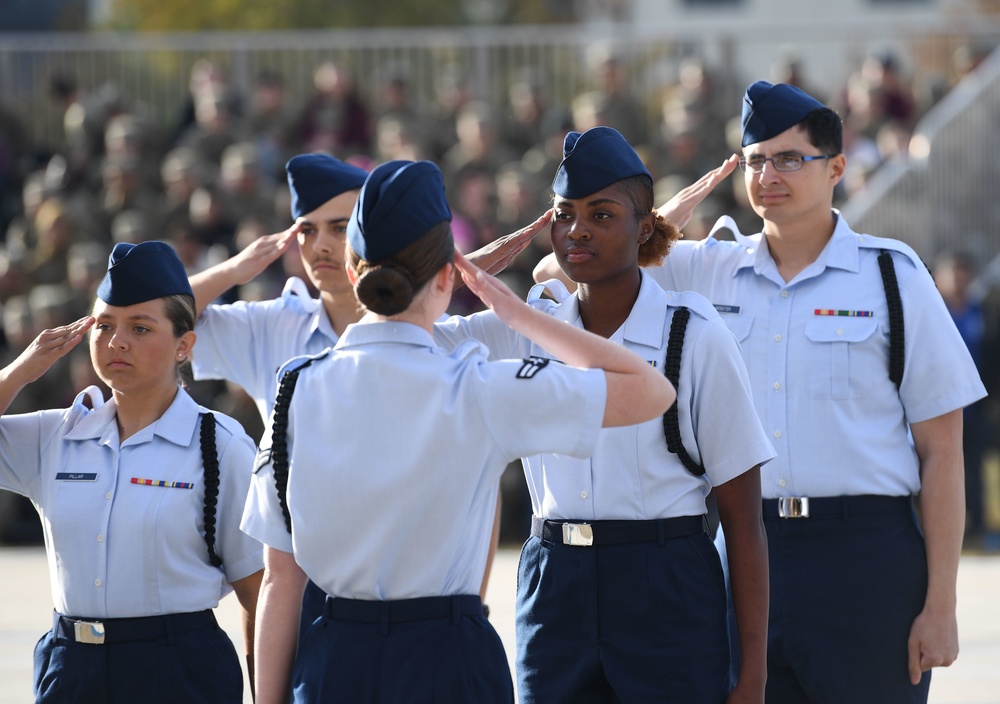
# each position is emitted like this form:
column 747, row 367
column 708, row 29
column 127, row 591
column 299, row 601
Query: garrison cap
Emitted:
column 316, row 178
column 769, row 110
column 142, row 272
column 399, row 202
column 594, row 160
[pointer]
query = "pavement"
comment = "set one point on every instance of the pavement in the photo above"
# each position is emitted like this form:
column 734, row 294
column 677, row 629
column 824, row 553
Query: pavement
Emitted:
column 26, row 607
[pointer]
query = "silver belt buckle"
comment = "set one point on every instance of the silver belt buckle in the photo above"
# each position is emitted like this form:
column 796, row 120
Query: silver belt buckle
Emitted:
column 793, row 507
column 88, row 632
column 578, row 534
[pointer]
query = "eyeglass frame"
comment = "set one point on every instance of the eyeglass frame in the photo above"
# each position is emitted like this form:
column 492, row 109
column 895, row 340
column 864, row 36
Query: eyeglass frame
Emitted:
column 744, row 166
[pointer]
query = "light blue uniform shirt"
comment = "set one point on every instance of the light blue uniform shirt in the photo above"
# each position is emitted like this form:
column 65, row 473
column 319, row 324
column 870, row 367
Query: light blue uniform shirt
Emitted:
column 821, row 381
column 631, row 475
column 247, row 342
column 405, row 509
column 120, row 549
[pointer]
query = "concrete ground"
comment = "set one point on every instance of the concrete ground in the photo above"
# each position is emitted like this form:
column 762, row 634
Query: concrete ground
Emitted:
column 25, row 613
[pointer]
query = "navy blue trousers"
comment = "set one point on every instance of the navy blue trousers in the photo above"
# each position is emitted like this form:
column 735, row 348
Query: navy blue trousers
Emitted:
column 844, row 593
column 313, row 600
column 438, row 650
column 197, row 667
column 629, row 623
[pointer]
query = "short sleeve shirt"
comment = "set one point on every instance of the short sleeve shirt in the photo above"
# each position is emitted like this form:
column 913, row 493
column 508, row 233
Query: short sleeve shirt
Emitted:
column 124, row 522
column 631, row 475
column 406, row 508
column 247, row 342
column 816, row 349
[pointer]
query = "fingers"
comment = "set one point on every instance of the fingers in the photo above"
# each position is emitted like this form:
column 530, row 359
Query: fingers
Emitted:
column 916, row 671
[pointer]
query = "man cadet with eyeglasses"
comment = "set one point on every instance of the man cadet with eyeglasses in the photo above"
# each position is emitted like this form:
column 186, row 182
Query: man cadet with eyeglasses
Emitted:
column 859, row 376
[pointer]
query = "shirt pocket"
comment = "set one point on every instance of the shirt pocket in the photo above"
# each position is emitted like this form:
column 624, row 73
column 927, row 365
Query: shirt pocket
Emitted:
column 739, row 325
column 835, row 356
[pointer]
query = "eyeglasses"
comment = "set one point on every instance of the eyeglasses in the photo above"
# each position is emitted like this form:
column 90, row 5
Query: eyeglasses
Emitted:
column 782, row 162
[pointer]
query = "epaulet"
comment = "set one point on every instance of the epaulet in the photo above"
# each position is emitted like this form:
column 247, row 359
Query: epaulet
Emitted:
column 90, row 398
column 696, row 302
column 872, row 242
column 556, row 288
column 727, row 223
column 296, row 363
column 296, row 290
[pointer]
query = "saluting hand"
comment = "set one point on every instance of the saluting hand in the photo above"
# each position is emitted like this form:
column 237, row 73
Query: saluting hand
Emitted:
column 498, row 254
column 680, row 208
column 42, row 353
column 490, row 290
column 251, row 261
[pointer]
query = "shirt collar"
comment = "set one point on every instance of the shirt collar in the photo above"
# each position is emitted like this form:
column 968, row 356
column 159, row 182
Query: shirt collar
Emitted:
column 359, row 334
column 645, row 322
column 176, row 425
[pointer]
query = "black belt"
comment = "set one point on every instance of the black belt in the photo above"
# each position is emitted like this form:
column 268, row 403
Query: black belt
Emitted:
column 403, row 610
column 835, row 506
column 124, row 630
column 616, row 532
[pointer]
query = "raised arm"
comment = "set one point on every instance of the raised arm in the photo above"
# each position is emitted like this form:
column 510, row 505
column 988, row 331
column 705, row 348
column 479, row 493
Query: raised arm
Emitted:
column 498, row 254
column 42, row 353
column 636, row 391
column 680, row 208
column 240, row 268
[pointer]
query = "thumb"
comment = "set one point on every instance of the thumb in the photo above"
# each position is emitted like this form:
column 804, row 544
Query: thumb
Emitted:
column 914, row 661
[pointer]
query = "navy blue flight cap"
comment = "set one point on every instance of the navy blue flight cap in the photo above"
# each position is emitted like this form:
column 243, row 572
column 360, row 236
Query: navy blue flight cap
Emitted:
column 594, row 160
column 316, row 178
column 400, row 201
column 142, row 272
column 769, row 110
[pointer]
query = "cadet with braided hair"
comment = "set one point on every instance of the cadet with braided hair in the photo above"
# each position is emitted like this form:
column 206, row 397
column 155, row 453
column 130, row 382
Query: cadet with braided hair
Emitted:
column 621, row 596
column 140, row 499
column 382, row 481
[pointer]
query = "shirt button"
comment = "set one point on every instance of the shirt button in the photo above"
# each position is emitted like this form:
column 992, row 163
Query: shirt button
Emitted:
column 97, row 582
column 777, row 338
column 108, row 496
column 781, row 482
column 100, row 538
column 784, row 294
column 583, row 494
column 777, row 433
column 840, row 331
column 777, row 385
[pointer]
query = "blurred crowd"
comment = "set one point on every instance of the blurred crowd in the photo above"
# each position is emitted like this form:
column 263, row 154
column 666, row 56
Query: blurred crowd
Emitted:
column 213, row 180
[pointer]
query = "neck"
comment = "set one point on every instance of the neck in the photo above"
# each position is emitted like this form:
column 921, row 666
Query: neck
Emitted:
column 605, row 305
column 136, row 410
column 797, row 244
column 341, row 310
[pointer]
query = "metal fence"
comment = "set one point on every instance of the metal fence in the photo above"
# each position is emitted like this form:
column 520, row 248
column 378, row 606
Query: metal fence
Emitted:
column 152, row 71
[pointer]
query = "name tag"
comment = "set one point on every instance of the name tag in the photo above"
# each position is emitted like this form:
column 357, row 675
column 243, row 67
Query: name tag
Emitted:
column 76, row 476
column 726, row 309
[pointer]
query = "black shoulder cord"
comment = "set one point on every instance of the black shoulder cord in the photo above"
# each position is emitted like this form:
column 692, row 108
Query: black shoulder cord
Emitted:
column 210, row 460
column 672, row 370
column 279, row 438
column 896, row 332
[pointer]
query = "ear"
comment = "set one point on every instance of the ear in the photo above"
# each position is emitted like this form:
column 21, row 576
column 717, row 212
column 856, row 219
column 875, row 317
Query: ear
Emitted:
column 647, row 226
column 185, row 344
column 838, row 166
column 352, row 275
column 445, row 278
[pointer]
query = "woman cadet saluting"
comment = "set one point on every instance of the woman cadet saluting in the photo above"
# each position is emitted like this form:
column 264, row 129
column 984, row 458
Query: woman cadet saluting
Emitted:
column 140, row 498
column 394, row 525
column 621, row 596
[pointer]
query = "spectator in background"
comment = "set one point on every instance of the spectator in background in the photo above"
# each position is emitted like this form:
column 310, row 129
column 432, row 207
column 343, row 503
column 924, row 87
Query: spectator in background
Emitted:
column 335, row 118
column 613, row 97
column 954, row 273
column 244, row 189
column 452, row 92
column 270, row 123
column 478, row 148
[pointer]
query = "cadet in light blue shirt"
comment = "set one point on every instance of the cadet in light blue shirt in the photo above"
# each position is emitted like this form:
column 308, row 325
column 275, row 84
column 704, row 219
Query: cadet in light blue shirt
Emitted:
column 393, row 525
column 140, row 500
column 636, row 605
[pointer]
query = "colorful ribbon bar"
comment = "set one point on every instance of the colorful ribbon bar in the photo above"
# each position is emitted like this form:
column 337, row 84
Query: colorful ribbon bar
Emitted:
column 160, row 482
column 847, row 313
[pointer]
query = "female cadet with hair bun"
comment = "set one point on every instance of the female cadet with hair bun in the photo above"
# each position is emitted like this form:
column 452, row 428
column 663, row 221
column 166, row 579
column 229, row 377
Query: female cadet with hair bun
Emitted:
column 395, row 524
column 621, row 596
column 140, row 499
